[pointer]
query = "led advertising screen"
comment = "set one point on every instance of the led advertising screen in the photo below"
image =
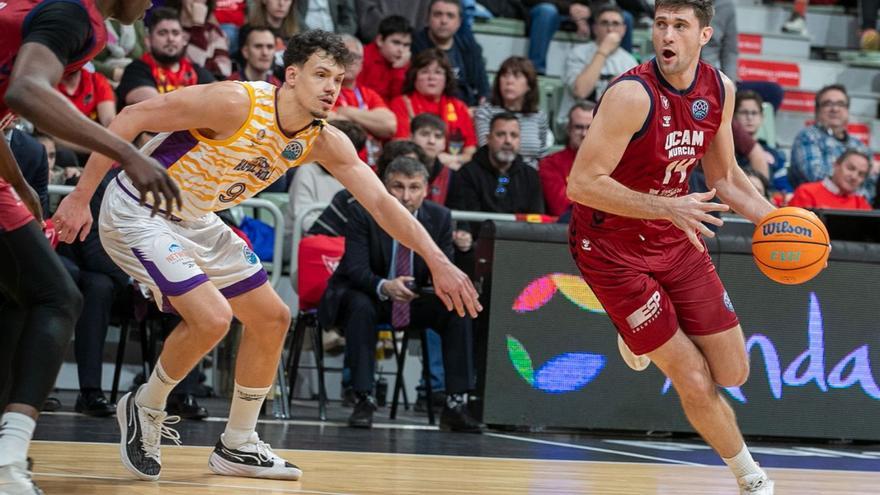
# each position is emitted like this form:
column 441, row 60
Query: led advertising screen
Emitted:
column 552, row 359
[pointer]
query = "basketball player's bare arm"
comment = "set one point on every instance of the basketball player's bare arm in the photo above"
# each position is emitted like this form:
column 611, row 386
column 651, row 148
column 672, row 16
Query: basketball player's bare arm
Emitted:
column 334, row 150
column 724, row 174
column 217, row 110
column 625, row 106
column 32, row 94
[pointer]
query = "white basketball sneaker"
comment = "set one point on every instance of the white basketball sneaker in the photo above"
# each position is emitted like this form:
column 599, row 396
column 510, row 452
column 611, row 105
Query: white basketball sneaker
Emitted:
column 15, row 479
column 634, row 361
column 755, row 484
column 253, row 459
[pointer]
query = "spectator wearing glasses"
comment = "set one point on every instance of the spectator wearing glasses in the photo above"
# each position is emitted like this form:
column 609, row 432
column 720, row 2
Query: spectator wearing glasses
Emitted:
column 816, row 147
column 590, row 67
column 555, row 168
column 497, row 180
column 749, row 113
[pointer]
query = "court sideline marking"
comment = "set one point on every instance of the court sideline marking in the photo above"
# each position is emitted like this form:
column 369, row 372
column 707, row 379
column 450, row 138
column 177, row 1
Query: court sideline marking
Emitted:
column 187, row 483
column 594, row 449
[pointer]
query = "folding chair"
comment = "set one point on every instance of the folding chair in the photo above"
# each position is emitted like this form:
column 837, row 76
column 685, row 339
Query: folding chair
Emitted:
column 318, row 257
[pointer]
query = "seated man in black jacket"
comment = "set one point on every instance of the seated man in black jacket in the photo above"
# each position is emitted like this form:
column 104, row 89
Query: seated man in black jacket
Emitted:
column 381, row 281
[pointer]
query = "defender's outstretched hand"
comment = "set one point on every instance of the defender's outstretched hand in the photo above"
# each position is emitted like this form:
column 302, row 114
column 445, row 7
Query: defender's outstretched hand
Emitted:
column 455, row 289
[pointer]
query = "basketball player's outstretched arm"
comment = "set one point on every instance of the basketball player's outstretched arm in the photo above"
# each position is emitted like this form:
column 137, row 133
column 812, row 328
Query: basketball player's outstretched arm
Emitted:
column 623, row 111
column 337, row 154
column 724, row 174
column 218, row 110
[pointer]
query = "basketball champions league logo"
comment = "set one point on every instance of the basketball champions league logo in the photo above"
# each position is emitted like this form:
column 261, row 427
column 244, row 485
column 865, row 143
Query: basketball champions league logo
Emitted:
column 293, row 150
column 700, row 109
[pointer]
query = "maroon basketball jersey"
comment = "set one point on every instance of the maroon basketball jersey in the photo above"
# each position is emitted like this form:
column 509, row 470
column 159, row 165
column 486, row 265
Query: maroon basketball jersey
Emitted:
column 15, row 18
column 679, row 127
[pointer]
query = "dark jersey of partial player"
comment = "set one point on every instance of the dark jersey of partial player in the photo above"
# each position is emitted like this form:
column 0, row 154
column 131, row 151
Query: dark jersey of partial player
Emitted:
column 15, row 23
column 679, row 127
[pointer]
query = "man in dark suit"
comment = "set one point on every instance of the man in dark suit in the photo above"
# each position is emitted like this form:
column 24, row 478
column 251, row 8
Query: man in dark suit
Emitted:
column 33, row 163
column 381, row 281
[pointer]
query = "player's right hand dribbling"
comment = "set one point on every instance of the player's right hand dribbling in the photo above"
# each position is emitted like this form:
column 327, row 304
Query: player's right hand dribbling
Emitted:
column 689, row 212
column 149, row 177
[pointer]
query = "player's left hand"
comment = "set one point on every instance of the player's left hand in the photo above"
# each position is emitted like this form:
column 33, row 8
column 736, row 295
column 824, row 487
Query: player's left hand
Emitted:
column 455, row 289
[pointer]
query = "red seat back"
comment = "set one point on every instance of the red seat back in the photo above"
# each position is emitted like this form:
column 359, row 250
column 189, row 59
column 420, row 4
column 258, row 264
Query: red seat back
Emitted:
column 319, row 255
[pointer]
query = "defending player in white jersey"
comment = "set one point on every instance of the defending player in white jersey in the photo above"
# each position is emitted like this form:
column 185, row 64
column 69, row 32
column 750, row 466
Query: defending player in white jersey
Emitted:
column 223, row 143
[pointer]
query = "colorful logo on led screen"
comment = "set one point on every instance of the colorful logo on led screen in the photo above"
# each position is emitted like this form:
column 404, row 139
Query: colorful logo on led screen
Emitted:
column 572, row 371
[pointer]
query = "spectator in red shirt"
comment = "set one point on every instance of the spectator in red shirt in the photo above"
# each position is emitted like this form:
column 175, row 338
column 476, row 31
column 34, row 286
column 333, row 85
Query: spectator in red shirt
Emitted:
column 91, row 94
column 428, row 88
column 165, row 67
column 554, row 169
column 258, row 52
column 362, row 105
column 386, row 59
column 839, row 191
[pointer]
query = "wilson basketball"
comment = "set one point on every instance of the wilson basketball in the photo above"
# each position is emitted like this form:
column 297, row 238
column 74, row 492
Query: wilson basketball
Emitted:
column 791, row 245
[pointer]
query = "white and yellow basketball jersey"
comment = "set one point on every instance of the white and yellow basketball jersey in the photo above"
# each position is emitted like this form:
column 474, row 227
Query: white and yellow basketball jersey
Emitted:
column 214, row 175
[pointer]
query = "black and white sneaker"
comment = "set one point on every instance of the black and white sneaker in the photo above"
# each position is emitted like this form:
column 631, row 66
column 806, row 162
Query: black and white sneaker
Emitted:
column 253, row 459
column 141, row 431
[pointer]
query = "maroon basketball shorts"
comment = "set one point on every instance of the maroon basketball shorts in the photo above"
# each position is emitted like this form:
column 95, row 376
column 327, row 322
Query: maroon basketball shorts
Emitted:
column 650, row 289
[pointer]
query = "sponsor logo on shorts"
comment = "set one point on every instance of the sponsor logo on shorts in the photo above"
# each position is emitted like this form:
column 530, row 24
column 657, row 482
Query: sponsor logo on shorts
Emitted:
column 249, row 255
column 647, row 313
column 700, row 109
column 293, row 150
column 727, row 302
column 178, row 255
column 786, row 228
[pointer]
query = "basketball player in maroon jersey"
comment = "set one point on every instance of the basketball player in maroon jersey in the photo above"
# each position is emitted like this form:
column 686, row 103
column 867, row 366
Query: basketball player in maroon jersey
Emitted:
column 40, row 42
column 635, row 230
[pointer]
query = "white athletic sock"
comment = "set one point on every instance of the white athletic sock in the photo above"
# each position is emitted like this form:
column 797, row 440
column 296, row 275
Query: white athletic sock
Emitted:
column 243, row 415
column 16, row 430
column 742, row 464
column 154, row 393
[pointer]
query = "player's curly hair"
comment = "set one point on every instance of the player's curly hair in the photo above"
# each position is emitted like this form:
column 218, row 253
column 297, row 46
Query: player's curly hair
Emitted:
column 304, row 45
column 703, row 9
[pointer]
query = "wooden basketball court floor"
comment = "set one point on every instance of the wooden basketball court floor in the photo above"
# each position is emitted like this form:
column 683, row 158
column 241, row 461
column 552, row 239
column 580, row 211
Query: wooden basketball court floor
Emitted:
column 74, row 454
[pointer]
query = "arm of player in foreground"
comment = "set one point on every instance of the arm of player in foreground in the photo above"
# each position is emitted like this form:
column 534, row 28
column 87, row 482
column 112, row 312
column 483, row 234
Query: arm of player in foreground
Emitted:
column 590, row 181
column 32, row 95
column 724, row 174
column 217, row 109
column 337, row 154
